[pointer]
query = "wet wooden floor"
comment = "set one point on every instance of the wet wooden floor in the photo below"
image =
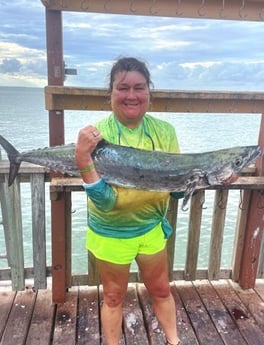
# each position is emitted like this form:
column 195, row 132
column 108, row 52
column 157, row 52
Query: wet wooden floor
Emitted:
column 213, row 313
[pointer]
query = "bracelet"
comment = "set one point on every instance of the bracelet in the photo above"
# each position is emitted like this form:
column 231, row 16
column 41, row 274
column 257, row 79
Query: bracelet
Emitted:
column 87, row 169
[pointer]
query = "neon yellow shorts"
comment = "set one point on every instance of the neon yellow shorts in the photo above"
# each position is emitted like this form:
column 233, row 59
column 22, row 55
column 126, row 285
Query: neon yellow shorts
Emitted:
column 124, row 251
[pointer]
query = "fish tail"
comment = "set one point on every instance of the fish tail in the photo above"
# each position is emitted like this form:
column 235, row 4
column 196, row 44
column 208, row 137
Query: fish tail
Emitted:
column 12, row 154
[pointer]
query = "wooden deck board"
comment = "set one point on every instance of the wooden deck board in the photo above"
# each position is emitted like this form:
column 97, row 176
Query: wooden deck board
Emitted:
column 217, row 312
column 253, row 302
column 186, row 332
column 66, row 320
column 19, row 319
column 259, row 288
column 220, row 316
column 88, row 326
column 202, row 324
column 41, row 326
column 6, row 302
column 133, row 321
column 155, row 333
column 242, row 316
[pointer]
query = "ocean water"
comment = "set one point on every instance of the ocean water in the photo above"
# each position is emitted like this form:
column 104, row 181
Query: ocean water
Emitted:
column 24, row 122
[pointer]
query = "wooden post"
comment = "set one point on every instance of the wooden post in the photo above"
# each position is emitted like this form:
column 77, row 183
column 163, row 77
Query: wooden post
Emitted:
column 240, row 233
column 55, row 66
column 261, row 260
column 58, row 249
column 195, row 220
column 217, row 234
column 254, row 227
column 68, row 238
column 172, row 218
column 93, row 273
column 61, row 245
column 56, row 132
column 38, row 230
column 12, row 221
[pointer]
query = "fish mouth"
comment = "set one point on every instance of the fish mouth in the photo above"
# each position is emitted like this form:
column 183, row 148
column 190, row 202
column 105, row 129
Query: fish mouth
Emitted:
column 230, row 179
column 224, row 176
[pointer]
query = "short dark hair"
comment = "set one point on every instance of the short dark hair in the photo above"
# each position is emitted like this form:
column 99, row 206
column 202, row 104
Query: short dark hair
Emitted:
column 129, row 64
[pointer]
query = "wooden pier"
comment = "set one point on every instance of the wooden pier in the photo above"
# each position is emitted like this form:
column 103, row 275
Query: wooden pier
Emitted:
column 215, row 306
column 37, row 177
column 216, row 312
column 59, row 98
column 210, row 304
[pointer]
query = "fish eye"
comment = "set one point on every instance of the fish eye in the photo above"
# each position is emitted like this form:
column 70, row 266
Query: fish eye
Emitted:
column 238, row 162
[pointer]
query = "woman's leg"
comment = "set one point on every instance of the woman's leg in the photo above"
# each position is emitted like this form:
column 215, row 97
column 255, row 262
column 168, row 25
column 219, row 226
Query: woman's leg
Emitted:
column 154, row 271
column 114, row 279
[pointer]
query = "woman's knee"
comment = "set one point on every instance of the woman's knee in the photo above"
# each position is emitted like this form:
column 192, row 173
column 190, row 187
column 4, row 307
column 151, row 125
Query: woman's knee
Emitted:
column 161, row 290
column 113, row 298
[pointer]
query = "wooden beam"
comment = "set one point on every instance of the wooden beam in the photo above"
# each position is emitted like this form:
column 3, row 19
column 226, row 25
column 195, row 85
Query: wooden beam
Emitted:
column 75, row 184
column 59, row 248
column 74, row 98
column 254, row 227
column 59, row 207
column 55, row 67
column 240, row 233
column 250, row 10
column 253, row 237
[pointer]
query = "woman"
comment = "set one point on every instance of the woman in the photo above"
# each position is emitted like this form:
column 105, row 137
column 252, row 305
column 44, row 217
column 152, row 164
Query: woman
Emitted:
column 125, row 224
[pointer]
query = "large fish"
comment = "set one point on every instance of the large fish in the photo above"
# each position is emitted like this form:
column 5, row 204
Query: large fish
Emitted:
column 141, row 169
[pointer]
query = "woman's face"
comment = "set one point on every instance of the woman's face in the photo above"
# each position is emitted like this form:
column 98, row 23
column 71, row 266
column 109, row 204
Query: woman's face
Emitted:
column 130, row 98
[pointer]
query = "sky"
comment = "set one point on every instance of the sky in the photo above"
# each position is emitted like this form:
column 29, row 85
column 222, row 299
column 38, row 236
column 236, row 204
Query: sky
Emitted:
column 181, row 53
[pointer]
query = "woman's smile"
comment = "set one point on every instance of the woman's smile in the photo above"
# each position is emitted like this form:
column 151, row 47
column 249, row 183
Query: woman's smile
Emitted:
column 130, row 98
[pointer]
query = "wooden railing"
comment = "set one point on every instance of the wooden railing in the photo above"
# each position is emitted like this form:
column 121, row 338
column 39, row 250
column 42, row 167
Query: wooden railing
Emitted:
column 11, row 207
column 59, row 98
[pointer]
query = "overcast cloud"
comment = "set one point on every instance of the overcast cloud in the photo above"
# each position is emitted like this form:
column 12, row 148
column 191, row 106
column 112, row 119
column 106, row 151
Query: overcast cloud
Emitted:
column 184, row 54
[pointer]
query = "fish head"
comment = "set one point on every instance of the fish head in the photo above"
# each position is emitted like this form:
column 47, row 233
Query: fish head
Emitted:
column 231, row 162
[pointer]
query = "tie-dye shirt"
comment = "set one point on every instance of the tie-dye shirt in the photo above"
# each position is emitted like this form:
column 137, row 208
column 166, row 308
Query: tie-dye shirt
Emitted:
column 125, row 213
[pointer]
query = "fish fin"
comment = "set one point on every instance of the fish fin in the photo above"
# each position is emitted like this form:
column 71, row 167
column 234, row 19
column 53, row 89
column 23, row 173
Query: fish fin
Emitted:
column 185, row 200
column 12, row 154
column 188, row 193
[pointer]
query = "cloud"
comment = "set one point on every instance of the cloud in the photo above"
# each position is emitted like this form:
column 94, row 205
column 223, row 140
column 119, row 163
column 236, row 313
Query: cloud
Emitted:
column 181, row 53
column 20, row 64
column 10, row 66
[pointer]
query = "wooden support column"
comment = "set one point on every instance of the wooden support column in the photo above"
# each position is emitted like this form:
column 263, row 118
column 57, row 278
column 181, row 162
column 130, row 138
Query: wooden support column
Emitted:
column 254, row 227
column 55, row 66
column 56, row 137
column 59, row 245
column 192, row 251
column 217, row 236
column 172, row 218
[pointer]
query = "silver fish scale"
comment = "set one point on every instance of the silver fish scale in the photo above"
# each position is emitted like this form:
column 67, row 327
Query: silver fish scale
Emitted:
column 148, row 170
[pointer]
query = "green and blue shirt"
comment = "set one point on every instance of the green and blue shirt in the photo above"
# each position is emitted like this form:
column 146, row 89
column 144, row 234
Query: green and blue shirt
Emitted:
column 122, row 212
